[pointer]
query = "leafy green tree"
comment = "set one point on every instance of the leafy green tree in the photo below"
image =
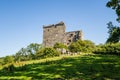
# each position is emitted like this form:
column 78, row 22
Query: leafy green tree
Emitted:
column 21, row 55
column 114, row 33
column 115, row 5
column 32, row 49
column 27, row 53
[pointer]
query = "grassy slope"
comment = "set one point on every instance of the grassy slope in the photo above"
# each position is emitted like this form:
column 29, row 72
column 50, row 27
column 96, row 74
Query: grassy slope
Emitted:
column 85, row 67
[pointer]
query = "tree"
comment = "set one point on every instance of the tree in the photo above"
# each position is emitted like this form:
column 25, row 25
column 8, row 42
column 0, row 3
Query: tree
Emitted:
column 115, row 5
column 21, row 55
column 114, row 33
column 27, row 53
column 32, row 49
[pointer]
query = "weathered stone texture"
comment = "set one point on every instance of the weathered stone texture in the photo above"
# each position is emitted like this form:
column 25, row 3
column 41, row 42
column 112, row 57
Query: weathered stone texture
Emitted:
column 56, row 33
column 73, row 36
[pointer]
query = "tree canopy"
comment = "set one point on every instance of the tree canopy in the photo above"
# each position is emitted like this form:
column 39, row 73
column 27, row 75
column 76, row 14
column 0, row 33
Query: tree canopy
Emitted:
column 115, row 5
column 28, row 52
column 114, row 33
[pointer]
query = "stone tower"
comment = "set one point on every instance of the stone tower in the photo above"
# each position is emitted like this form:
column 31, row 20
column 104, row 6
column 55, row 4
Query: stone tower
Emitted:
column 56, row 33
column 53, row 33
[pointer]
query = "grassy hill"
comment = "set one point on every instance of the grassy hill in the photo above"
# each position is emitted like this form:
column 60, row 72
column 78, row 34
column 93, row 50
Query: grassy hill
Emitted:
column 76, row 67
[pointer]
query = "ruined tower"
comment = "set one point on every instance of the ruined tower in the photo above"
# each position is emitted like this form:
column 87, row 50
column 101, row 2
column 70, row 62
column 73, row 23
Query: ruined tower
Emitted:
column 56, row 33
column 53, row 33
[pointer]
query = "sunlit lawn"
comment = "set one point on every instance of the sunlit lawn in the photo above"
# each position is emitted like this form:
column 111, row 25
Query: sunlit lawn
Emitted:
column 85, row 67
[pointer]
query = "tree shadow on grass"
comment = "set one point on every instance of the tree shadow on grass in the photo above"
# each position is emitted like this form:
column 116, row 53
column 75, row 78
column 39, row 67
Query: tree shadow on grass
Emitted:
column 95, row 67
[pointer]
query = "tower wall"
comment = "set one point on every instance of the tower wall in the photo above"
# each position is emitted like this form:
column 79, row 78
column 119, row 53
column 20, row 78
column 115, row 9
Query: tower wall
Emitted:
column 56, row 33
column 73, row 36
column 53, row 33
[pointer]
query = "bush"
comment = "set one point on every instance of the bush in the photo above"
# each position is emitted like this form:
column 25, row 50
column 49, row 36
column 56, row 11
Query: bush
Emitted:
column 74, row 47
column 82, row 46
column 47, row 52
column 60, row 45
column 110, row 48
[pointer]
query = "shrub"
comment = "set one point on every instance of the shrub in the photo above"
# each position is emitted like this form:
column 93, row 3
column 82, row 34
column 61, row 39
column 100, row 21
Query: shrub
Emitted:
column 47, row 52
column 74, row 47
column 60, row 45
column 110, row 48
column 82, row 46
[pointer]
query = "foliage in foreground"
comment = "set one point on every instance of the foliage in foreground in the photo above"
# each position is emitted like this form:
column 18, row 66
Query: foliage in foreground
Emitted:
column 86, row 67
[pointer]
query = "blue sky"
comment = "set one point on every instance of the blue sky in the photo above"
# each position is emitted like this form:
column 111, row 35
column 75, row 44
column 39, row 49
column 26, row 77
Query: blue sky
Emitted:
column 21, row 21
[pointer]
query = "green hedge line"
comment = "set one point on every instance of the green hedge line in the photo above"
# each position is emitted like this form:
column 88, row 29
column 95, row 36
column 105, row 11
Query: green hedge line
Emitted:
column 111, row 48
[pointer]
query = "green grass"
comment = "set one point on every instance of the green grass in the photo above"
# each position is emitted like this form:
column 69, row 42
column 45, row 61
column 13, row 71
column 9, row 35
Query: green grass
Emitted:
column 78, row 67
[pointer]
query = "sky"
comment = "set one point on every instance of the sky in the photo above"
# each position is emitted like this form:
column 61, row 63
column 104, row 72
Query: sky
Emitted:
column 21, row 21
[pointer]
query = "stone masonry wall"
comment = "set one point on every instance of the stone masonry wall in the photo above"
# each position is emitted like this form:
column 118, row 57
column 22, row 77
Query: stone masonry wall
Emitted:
column 53, row 33
column 56, row 33
column 73, row 36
